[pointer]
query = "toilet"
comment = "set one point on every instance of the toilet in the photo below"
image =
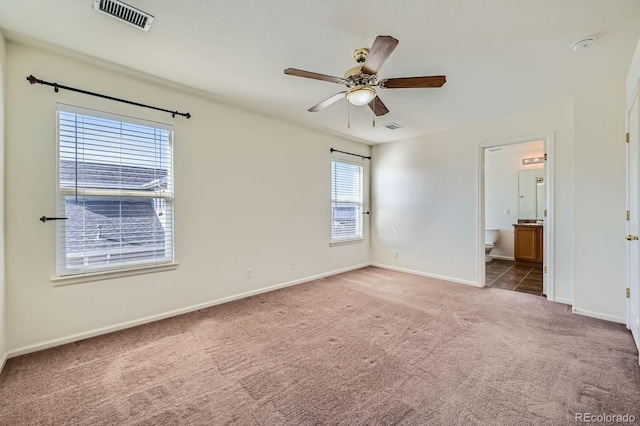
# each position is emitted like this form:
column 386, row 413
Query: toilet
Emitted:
column 490, row 238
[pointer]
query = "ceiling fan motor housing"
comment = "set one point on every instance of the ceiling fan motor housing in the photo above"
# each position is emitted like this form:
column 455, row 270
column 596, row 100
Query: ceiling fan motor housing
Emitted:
column 354, row 77
column 360, row 55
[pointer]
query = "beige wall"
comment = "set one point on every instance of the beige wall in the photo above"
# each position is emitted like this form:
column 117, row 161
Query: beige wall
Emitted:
column 425, row 197
column 250, row 192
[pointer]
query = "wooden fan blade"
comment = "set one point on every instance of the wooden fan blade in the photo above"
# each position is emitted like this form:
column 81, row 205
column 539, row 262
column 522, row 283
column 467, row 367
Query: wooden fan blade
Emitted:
column 378, row 54
column 327, row 102
column 378, row 107
column 313, row 75
column 413, row 82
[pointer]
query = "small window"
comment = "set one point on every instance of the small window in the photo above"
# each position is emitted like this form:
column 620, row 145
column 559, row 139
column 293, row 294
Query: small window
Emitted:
column 115, row 187
column 346, row 201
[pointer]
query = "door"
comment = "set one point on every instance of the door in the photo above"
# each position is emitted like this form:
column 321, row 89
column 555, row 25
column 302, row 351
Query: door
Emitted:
column 633, row 225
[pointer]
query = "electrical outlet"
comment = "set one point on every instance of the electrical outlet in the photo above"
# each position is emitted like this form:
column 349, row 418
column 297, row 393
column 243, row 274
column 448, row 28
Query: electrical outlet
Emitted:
column 396, row 254
column 293, row 264
column 249, row 273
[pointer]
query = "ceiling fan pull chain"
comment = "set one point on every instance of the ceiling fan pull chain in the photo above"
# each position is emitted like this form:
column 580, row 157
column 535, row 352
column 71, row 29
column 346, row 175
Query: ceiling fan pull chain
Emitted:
column 374, row 113
column 348, row 116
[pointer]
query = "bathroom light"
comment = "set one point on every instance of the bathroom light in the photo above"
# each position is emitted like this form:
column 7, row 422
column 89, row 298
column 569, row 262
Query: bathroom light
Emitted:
column 361, row 95
column 532, row 160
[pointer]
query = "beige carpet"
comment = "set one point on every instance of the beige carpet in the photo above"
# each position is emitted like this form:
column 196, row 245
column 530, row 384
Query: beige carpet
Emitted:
column 366, row 347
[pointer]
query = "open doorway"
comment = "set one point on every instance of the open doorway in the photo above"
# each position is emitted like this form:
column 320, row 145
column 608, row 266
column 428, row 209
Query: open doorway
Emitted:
column 515, row 212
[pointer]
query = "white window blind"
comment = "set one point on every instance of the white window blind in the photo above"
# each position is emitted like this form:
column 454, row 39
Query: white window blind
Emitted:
column 346, row 201
column 115, row 187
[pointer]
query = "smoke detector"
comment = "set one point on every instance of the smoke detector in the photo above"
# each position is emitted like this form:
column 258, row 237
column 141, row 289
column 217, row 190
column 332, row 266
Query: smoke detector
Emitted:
column 582, row 44
column 124, row 12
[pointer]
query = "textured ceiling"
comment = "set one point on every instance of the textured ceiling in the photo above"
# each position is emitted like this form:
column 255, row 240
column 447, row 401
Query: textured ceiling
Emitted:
column 500, row 56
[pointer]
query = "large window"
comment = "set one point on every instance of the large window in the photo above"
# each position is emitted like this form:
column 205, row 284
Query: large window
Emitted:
column 115, row 187
column 346, row 201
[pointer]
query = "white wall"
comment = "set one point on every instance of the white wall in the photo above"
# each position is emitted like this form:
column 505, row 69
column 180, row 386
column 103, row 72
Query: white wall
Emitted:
column 250, row 192
column 634, row 73
column 501, row 191
column 425, row 197
column 600, row 199
column 3, row 340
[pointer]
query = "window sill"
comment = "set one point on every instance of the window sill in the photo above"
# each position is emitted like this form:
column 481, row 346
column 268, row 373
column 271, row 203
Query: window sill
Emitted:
column 344, row 242
column 107, row 275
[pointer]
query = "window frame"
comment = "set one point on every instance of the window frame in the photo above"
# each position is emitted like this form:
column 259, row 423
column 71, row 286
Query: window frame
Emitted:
column 360, row 205
column 65, row 275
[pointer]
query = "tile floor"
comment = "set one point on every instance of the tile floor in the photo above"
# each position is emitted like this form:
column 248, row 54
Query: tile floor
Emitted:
column 505, row 274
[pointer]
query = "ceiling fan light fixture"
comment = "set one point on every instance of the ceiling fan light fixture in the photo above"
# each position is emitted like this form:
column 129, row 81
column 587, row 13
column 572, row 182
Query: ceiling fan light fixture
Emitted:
column 361, row 95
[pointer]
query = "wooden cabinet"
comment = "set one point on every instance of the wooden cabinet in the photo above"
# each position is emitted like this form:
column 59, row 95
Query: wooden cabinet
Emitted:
column 528, row 245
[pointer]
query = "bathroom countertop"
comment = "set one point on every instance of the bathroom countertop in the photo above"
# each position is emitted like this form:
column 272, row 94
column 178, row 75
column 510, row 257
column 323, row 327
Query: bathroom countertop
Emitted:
column 528, row 224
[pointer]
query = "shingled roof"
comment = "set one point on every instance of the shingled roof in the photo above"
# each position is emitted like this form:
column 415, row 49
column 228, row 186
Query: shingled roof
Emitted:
column 111, row 176
column 109, row 229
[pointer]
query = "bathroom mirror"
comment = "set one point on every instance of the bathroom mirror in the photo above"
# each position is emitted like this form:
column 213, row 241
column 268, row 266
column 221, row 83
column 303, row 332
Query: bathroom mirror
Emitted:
column 531, row 194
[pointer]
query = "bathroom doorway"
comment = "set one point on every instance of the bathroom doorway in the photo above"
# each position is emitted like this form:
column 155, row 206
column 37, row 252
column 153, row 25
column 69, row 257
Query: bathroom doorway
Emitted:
column 515, row 215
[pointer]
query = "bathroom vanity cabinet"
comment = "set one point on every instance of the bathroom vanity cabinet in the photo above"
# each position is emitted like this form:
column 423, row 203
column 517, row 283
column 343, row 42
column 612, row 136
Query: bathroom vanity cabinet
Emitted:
column 528, row 244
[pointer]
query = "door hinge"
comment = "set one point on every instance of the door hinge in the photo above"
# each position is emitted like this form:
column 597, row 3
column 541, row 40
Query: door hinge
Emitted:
column 545, row 156
column 545, row 212
column 628, row 215
column 628, row 293
column 627, row 137
column 545, row 269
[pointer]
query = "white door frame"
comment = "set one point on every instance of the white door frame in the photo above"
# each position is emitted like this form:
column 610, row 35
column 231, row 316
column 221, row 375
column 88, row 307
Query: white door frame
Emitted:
column 549, row 222
column 634, row 299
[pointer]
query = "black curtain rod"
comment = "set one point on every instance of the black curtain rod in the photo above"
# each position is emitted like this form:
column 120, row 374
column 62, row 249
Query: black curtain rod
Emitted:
column 56, row 87
column 348, row 153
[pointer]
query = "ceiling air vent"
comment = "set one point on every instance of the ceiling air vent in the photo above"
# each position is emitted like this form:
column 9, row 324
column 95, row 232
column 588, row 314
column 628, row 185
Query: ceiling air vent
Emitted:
column 393, row 126
column 124, row 12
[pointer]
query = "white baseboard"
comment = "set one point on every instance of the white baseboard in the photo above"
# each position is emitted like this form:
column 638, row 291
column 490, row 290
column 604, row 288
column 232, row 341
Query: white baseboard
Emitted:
column 562, row 300
column 128, row 324
column 499, row 257
column 425, row 274
column 599, row 315
column 3, row 361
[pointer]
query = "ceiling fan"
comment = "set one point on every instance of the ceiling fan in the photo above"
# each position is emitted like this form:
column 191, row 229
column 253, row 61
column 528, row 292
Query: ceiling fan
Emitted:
column 361, row 79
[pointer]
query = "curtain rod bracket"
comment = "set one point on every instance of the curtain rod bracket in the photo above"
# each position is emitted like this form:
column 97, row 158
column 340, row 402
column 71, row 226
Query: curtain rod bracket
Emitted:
column 56, row 87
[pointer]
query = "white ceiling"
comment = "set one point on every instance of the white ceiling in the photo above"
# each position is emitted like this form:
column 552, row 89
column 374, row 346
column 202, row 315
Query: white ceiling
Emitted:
column 500, row 56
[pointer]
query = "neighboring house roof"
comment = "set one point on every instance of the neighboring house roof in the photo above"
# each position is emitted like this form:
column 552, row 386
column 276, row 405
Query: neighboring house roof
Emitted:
column 111, row 176
column 112, row 224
